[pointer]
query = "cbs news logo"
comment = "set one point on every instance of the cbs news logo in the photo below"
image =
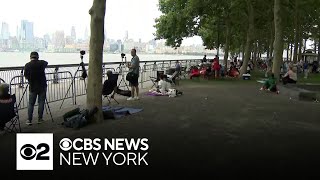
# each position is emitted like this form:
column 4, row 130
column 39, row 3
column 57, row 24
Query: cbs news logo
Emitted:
column 34, row 151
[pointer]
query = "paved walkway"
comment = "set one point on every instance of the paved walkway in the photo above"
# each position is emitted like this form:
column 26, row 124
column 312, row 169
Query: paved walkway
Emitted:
column 212, row 128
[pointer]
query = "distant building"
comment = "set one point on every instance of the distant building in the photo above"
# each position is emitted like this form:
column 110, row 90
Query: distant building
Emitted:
column 26, row 36
column 4, row 36
column 5, row 33
column 26, row 31
column 58, row 40
column 126, row 37
column 73, row 33
column 86, row 34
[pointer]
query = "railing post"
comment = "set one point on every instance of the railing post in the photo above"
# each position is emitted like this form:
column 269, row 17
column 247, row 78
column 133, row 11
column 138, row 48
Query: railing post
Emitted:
column 56, row 76
column 143, row 74
column 21, row 85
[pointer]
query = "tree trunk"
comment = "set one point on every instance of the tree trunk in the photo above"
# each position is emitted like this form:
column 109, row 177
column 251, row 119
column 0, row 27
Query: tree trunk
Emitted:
column 296, row 27
column 250, row 35
column 278, row 42
column 319, row 49
column 271, row 40
column 291, row 47
column 255, row 54
column 304, row 45
column 300, row 49
column 243, row 51
column 94, row 96
column 288, row 48
column 226, row 49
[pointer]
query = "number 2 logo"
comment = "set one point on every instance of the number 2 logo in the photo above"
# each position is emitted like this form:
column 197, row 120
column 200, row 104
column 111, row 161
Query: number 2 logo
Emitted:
column 29, row 152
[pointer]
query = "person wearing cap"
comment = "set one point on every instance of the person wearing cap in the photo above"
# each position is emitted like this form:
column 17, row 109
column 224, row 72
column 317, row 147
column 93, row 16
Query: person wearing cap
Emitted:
column 34, row 72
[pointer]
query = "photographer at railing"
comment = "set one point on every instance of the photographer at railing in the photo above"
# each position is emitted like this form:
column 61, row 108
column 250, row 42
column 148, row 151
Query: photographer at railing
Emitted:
column 35, row 74
column 133, row 75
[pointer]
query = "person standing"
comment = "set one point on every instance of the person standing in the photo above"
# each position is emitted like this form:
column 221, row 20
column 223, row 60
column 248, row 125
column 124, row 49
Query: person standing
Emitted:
column 134, row 68
column 34, row 72
column 204, row 60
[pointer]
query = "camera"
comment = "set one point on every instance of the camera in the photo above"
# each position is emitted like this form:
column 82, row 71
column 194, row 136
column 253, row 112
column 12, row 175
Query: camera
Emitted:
column 82, row 52
column 123, row 55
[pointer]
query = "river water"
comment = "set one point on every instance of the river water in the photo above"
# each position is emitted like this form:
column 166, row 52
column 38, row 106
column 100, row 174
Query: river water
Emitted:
column 12, row 59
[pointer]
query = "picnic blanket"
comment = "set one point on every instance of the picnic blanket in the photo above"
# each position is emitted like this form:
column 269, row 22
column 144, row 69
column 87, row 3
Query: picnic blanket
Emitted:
column 154, row 94
column 118, row 112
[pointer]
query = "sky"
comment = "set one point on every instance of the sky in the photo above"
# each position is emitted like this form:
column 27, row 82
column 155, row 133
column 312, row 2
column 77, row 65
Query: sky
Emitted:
column 135, row 16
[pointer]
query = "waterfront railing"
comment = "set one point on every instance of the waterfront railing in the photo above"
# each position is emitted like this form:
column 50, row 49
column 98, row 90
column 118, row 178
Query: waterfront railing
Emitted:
column 66, row 82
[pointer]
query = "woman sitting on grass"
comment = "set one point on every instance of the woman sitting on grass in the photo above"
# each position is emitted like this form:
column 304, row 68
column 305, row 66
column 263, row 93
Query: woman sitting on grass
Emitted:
column 290, row 76
column 270, row 84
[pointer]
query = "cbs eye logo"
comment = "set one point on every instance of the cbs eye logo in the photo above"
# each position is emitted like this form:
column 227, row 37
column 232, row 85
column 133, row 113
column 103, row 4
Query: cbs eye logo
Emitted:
column 29, row 152
column 65, row 144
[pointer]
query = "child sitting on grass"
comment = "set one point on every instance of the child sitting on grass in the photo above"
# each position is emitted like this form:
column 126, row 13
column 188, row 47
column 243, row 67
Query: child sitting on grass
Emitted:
column 270, row 84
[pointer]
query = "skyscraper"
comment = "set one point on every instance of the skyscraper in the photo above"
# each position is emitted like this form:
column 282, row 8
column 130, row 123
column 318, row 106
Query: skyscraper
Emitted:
column 5, row 34
column 126, row 36
column 26, row 31
column 86, row 34
column 73, row 33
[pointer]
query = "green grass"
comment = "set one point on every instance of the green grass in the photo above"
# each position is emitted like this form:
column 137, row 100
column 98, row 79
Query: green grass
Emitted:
column 255, row 75
column 312, row 78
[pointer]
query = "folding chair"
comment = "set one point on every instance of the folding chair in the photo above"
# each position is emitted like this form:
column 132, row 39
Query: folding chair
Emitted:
column 9, row 121
column 109, row 87
column 2, row 81
column 155, row 80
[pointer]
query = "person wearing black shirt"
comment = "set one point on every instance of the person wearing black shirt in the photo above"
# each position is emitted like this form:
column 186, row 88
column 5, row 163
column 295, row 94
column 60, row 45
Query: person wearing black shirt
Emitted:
column 34, row 72
column 204, row 60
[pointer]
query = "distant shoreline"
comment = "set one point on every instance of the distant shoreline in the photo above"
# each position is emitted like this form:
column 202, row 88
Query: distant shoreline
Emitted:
column 178, row 54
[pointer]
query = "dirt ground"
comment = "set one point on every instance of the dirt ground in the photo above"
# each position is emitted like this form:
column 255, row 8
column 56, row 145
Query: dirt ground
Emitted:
column 226, row 129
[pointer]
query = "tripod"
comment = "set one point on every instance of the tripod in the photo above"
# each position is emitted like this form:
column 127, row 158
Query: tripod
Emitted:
column 46, row 102
column 121, row 71
column 73, row 81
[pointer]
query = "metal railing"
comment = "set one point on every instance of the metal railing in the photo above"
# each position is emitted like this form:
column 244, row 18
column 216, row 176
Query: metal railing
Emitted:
column 66, row 82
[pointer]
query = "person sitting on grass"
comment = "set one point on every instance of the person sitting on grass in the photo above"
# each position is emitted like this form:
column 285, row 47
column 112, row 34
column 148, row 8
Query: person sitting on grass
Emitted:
column 290, row 76
column 162, row 87
column 194, row 72
column 270, row 84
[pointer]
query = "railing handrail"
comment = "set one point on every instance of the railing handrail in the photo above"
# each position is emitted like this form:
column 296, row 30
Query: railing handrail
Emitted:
column 86, row 64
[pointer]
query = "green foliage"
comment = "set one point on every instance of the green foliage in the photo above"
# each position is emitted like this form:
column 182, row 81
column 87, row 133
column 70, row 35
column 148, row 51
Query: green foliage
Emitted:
column 209, row 18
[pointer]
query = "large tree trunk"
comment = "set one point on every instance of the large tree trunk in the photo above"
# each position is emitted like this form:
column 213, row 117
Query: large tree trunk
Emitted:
column 278, row 42
column 250, row 35
column 255, row 54
column 300, row 49
column 296, row 27
column 226, row 47
column 94, row 96
column 271, row 40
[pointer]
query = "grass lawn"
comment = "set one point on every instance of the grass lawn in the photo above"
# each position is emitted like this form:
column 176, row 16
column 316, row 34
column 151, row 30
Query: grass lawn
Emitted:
column 255, row 75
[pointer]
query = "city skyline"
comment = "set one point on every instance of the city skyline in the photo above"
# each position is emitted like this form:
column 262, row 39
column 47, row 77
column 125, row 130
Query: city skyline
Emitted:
column 136, row 17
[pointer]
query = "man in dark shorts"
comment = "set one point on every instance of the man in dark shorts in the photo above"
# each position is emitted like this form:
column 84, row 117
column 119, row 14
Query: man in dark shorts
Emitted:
column 134, row 68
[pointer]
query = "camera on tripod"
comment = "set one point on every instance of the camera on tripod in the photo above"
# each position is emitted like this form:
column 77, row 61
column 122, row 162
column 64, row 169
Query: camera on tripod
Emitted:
column 123, row 55
column 82, row 52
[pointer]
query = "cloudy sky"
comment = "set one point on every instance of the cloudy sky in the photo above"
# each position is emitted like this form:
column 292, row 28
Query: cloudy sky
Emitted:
column 135, row 16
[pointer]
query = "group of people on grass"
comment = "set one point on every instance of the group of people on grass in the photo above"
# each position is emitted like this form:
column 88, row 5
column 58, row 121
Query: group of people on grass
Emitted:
column 290, row 77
